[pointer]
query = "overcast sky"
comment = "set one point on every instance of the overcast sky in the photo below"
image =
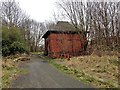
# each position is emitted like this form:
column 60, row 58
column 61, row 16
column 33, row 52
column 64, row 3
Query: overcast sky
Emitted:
column 39, row 10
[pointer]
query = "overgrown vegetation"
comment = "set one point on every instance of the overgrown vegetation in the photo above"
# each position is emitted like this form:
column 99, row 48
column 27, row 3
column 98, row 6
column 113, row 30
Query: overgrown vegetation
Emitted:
column 13, row 41
column 10, row 73
column 13, row 44
column 100, row 72
column 20, row 35
column 11, row 69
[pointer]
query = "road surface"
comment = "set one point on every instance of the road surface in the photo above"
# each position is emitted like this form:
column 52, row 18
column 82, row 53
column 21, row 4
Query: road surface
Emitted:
column 42, row 75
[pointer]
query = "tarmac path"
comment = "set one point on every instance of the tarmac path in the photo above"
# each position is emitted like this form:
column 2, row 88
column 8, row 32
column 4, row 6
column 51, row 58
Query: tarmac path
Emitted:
column 42, row 75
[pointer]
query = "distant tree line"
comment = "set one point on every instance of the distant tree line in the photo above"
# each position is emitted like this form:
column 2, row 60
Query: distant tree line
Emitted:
column 20, row 34
column 101, row 19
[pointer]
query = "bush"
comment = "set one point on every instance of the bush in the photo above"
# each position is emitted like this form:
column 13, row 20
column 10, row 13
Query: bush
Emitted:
column 17, row 47
column 5, row 51
column 13, row 41
column 13, row 34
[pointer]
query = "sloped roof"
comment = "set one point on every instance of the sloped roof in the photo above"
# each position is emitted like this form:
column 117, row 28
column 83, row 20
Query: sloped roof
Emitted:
column 64, row 26
column 58, row 32
column 61, row 27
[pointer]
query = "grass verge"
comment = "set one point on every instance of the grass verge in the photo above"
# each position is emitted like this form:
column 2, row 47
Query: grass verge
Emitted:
column 100, row 72
column 11, row 69
column 36, row 53
column 10, row 74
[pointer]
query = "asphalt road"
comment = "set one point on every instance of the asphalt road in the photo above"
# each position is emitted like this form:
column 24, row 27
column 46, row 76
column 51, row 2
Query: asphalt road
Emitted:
column 42, row 75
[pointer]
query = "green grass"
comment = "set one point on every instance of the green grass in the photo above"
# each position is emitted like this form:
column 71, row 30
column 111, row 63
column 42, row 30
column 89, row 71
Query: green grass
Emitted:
column 11, row 70
column 36, row 53
column 9, row 74
column 81, row 75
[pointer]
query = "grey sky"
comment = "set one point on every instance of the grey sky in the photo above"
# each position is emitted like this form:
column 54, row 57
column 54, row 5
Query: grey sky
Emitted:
column 39, row 10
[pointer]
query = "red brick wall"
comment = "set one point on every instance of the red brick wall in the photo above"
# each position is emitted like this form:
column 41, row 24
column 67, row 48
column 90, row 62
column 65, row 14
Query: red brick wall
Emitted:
column 64, row 45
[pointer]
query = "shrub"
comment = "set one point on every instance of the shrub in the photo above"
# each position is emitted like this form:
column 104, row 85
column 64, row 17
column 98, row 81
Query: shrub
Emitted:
column 17, row 47
column 13, row 41
column 5, row 51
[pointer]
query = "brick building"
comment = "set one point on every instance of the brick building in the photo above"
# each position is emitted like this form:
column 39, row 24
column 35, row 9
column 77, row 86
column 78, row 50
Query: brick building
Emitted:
column 63, row 41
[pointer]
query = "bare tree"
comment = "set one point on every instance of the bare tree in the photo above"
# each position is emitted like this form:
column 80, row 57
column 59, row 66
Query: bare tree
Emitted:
column 13, row 16
column 78, row 14
column 11, row 13
column 36, row 32
column 101, row 19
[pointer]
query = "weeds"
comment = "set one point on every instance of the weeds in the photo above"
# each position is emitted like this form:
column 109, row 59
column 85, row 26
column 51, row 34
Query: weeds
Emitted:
column 9, row 74
column 10, row 71
column 97, row 71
